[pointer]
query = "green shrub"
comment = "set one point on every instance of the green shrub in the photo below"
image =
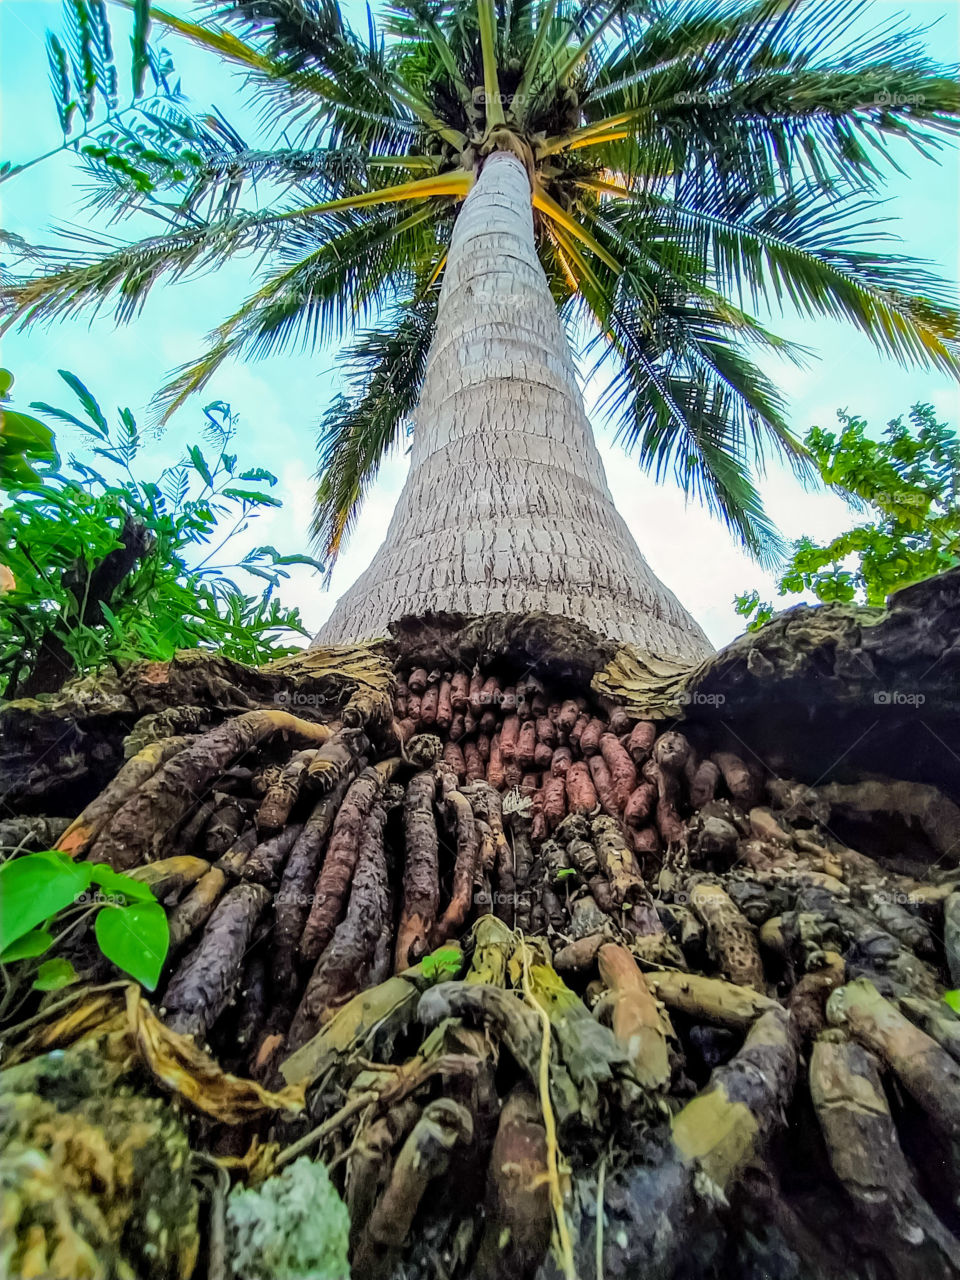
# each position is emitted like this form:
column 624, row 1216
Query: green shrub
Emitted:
column 908, row 485
column 103, row 566
column 46, row 896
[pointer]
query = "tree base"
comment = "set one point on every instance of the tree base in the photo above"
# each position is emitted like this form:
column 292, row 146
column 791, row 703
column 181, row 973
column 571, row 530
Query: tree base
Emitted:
column 526, row 942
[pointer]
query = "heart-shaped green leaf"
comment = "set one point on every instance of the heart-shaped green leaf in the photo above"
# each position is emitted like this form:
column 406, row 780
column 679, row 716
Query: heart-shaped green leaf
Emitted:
column 136, row 939
column 36, row 887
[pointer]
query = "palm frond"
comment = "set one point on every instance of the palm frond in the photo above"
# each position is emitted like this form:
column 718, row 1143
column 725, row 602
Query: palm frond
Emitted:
column 326, row 81
column 807, row 251
column 769, row 90
column 386, row 367
column 311, row 45
column 68, row 281
column 341, row 269
column 685, row 422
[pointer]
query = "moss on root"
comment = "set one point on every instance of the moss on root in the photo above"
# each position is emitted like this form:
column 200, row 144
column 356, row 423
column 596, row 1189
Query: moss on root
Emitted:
column 95, row 1180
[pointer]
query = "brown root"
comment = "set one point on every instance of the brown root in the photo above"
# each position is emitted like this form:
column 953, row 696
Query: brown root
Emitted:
column 464, row 869
column 277, row 804
column 421, row 886
column 146, row 824
column 345, row 963
column 731, row 938
column 709, row 999
column 623, row 771
column 926, row 1071
column 341, row 859
column 82, row 832
column 637, row 1023
column 619, row 866
column 729, row 1123
column 196, row 908
column 334, row 761
column 581, row 793
column 517, row 1213
column 424, row 1156
column 265, row 863
column 293, row 899
column 208, row 978
column 864, row 1151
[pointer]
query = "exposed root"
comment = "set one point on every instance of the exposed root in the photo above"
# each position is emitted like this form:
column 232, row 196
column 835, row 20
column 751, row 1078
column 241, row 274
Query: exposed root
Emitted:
column 865, row 1154
column 561, row 1227
column 503, row 935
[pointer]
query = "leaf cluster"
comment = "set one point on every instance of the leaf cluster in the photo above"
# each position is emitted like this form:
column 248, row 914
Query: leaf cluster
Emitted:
column 43, row 892
column 24, row 440
column 906, row 484
column 86, row 85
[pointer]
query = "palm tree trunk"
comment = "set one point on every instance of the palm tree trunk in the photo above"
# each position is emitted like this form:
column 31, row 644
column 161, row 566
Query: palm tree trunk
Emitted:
column 506, row 506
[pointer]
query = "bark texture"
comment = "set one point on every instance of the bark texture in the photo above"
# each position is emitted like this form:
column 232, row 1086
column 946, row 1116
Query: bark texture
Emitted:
column 506, row 506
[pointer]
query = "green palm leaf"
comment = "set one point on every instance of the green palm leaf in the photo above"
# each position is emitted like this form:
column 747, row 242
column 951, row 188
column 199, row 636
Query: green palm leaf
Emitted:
column 386, row 367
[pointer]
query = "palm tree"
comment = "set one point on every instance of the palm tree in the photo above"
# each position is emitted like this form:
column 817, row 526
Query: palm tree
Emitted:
column 469, row 177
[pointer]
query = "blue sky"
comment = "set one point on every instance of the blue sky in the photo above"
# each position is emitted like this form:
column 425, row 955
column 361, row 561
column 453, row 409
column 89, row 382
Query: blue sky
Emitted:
column 280, row 400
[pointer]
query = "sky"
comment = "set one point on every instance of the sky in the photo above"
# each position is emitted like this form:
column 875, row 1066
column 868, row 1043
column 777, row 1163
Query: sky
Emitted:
column 280, row 400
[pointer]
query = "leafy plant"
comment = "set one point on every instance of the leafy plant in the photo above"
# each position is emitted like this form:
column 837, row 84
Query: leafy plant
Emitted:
column 44, row 892
column 691, row 164
column 24, row 440
column 441, row 964
column 110, row 569
column 908, row 483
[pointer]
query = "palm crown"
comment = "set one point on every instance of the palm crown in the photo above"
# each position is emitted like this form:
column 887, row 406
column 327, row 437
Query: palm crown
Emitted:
column 691, row 163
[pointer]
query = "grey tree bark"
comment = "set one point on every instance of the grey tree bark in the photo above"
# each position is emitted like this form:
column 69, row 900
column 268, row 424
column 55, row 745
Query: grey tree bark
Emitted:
column 506, row 506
